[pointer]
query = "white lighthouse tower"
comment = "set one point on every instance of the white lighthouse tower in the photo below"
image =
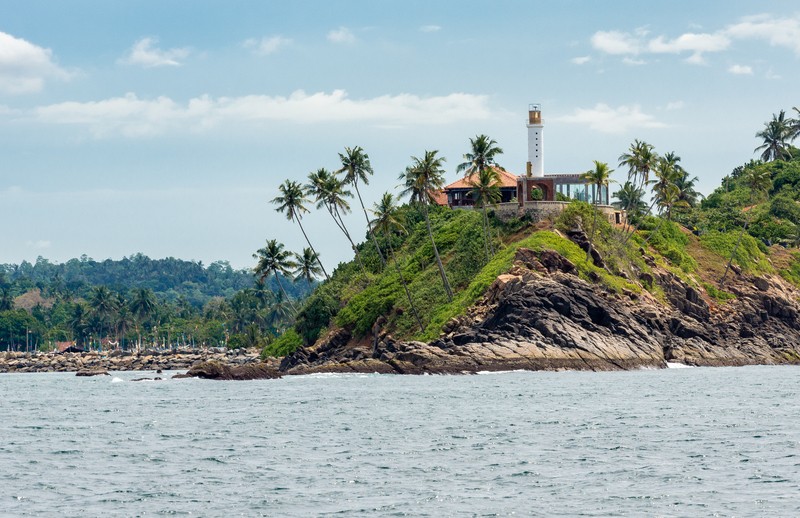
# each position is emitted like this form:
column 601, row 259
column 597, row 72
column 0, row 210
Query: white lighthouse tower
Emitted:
column 535, row 166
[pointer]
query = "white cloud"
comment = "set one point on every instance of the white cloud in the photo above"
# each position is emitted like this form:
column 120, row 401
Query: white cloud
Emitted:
column 581, row 60
column 741, row 70
column 24, row 67
column 430, row 28
column 605, row 119
column 689, row 42
column 633, row 61
column 267, row 45
column 341, row 35
column 674, row 105
column 41, row 244
column 616, row 42
column 145, row 53
column 131, row 116
column 780, row 32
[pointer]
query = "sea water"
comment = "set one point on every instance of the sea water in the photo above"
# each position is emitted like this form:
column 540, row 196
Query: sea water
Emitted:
column 675, row 442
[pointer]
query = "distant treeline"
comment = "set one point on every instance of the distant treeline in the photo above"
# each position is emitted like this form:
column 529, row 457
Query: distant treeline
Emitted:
column 169, row 279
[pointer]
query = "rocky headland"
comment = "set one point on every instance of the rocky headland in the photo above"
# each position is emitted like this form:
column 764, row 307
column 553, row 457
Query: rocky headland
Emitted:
column 540, row 315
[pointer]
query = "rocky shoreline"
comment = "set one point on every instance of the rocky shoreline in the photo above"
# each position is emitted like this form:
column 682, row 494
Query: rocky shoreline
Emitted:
column 167, row 360
column 540, row 315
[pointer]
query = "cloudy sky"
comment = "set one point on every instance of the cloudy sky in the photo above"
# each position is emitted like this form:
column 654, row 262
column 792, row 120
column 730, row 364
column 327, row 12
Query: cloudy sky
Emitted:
column 166, row 127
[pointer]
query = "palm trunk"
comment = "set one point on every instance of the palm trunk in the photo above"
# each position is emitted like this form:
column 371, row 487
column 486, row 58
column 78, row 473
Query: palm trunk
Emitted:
column 337, row 218
column 488, row 233
column 405, row 286
column 319, row 261
column 436, row 253
column 369, row 228
column 285, row 296
column 591, row 236
column 649, row 210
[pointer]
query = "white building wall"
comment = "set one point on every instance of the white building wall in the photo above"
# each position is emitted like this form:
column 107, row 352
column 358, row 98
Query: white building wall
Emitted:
column 536, row 149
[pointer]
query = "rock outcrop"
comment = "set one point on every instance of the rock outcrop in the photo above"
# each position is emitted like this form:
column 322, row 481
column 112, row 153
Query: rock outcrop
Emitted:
column 541, row 315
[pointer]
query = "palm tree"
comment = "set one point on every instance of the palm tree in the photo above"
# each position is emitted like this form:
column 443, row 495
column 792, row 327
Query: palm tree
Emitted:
column 104, row 305
column 640, row 160
column 795, row 125
column 356, row 166
column 480, row 166
column 598, row 177
column 775, row 135
column 329, row 192
column 307, row 266
column 758, row 181
column 423, row 178
column 385, row 221
column 485, row 191
column 78, row 323
column 274, row 260
column 483, row 151
column 292, row 201
column 631, row 199
column 142, row 305
column 6, row 301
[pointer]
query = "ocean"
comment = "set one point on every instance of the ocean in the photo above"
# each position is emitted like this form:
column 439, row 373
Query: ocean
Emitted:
column 674, row 442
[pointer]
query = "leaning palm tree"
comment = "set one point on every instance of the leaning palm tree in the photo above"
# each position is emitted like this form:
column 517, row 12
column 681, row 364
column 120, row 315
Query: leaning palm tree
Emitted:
column 330, row 192
column 356, row 167
column 775, row 136
column 292, row 201
column 598, row 178
column 795, row 125
column 485, row 185
column 386, row 222
column 758, row 181
column 307, row 266
column 274, row 260
column 422, row 179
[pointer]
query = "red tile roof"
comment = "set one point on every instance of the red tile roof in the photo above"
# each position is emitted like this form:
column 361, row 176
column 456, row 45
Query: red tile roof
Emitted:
column 506, row 180
column 440, row 198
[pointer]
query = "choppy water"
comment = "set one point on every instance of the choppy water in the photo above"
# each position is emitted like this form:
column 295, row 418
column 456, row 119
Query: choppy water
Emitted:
column 688, row 442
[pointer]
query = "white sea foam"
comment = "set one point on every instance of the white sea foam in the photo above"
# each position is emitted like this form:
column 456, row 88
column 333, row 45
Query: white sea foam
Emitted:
column 116, row 380
column 676, row 365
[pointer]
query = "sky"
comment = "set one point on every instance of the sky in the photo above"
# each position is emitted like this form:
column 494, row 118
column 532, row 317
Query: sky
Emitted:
column 165, row 127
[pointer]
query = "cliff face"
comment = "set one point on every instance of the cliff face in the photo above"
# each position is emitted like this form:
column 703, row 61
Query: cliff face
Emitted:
column 541, row 315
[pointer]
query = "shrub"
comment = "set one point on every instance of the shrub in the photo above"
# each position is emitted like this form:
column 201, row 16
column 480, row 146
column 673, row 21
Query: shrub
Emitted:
column 285, row 344
column 748, row 256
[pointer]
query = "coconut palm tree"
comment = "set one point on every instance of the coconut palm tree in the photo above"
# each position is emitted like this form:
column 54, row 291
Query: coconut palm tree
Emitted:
column 640, row 160
column 292, row 201
column 483, row 151
column 386, row 222
column 485, row 185
column 795, row 125
column 631, row 199
column 758, row 181
column 274, row 260
column 356, row 167
column 775, row 136
column 104, row 304
column 422, row 179
column 307, row 266
column 330, row 192
column 598, row 178
column 142, row 306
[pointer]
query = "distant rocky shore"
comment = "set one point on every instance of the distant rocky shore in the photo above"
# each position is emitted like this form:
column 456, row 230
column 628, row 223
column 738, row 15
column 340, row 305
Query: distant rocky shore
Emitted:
column 180, row 359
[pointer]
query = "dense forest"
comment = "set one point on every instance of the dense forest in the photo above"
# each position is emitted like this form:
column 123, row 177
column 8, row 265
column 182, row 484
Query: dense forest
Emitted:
column 138, row 300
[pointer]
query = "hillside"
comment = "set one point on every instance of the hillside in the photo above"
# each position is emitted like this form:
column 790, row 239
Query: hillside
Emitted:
column 646, row 295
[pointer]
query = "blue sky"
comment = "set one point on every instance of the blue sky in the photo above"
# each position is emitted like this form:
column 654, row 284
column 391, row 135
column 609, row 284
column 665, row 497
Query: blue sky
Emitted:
column 166, row 127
